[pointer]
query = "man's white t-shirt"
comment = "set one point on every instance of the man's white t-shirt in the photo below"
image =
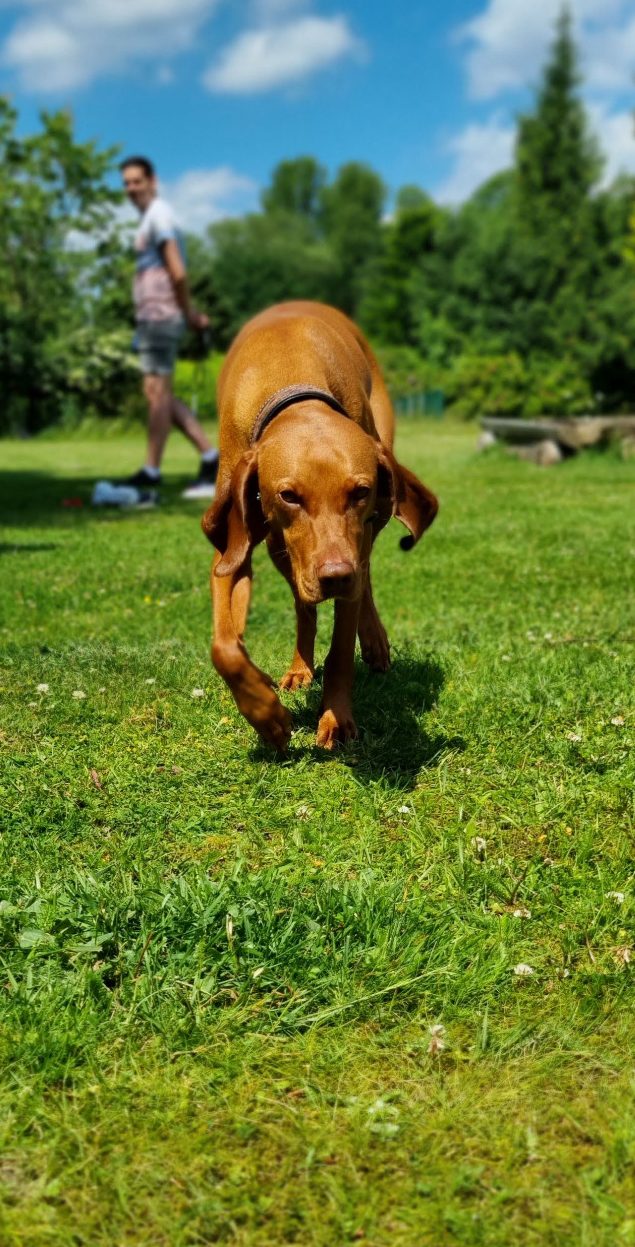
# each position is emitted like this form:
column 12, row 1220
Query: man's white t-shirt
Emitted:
column 154, row 297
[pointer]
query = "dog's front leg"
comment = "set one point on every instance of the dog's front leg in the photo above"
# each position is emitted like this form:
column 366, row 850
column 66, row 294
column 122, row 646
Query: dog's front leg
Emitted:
column 373, row 638
column 302, row 665
column 337, row 723
column 252, row 689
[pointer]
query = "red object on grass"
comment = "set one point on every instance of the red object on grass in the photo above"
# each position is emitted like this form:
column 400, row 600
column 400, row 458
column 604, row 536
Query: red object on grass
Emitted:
column 72, row 502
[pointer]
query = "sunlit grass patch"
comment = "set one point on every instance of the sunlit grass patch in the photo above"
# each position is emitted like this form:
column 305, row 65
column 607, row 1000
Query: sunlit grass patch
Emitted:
column 384, row 995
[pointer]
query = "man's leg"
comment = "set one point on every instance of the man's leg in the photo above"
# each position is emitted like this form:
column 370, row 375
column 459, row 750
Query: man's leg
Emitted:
column 158, row 393
column 186, row 421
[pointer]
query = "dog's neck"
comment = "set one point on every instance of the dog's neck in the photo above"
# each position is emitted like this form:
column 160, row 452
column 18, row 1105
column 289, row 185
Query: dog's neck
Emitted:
column 286, row 397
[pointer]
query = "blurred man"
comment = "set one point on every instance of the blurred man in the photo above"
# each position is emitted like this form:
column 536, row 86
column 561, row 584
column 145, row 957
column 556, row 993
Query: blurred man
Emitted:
column 162, row 309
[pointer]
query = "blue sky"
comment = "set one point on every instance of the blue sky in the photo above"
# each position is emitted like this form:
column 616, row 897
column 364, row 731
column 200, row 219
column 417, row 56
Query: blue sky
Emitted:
column 218, row 91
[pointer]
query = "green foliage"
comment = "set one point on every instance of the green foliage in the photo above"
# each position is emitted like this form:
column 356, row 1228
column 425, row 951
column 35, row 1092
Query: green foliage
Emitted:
column 487, row 385
column 405, row 370
column 261, row 259
column 556, row 388
column 557, row 166
column 557, row 161
column 195, row 383
column 54, row 204
column 387, row 307
column 97, row 368
column 507, row 385
column 353, row 205
column 297, row 189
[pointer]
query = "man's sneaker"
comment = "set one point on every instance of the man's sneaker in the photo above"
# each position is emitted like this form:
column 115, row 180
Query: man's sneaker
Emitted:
column 143, row 481
column 205, row 484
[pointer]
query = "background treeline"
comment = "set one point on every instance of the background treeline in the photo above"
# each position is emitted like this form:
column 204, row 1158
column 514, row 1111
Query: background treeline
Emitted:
column 520, row 301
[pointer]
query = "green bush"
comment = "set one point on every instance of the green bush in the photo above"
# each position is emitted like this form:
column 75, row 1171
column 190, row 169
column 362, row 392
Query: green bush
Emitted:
column 90, row 373
column 495, row 385
column 558, row 388
column 195, row 383
column 405, row 371
column 506, row 385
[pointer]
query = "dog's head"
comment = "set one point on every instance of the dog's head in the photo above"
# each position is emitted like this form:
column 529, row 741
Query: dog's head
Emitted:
column 318, row 487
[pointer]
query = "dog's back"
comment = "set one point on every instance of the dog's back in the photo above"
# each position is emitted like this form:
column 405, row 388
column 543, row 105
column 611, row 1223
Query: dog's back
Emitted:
column 299, row 343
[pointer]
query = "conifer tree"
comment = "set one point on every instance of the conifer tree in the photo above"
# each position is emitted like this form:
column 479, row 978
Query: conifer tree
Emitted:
column 557, row 166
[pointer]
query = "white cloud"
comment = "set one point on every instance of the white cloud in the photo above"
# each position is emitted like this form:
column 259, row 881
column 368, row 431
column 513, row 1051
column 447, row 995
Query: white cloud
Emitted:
column 509, row 39
column 279, row 54
column 479, row 151
column 202, row 196
column 616, row 135
column 76, row 41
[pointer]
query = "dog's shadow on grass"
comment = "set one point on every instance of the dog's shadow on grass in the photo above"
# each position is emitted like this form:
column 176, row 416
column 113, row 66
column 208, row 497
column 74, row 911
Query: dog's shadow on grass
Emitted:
column 393, row 743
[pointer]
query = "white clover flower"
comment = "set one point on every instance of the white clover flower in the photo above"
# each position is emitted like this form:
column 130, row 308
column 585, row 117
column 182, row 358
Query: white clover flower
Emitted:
column 151, row 680
column 437, row 1039
column 42, row 688
column 479, row 846
column 618, row 720
column 404, row 809
column 523, row 970
column 79, row 694
column 618, row 897
column 522, row 912
column 198, row 692
column 574, row 737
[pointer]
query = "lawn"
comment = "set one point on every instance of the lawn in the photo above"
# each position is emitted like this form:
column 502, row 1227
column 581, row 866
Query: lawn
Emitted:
column 383, row 995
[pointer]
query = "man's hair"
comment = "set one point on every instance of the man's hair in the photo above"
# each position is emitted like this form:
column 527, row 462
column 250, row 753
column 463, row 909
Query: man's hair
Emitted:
column 141, row 162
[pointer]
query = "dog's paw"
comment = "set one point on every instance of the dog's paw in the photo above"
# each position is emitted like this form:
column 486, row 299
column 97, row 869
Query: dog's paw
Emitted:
column 296, row 677
column 335, row 729
column 267, row 715
column 375, row 646
column 276, row 729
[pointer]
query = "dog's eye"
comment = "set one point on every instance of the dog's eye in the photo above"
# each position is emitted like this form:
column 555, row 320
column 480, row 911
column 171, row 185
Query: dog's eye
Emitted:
column 360, row 493
column 290, row 497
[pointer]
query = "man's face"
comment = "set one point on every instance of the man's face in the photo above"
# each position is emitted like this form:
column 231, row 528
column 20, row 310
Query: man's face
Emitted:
column 139, row 188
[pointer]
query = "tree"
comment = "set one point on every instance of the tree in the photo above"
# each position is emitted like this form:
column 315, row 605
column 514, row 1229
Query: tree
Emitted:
column 58, row 250
column 296, row 189
column 557, row 166
column 257, row 260
column 388, row 309
column 353, row 206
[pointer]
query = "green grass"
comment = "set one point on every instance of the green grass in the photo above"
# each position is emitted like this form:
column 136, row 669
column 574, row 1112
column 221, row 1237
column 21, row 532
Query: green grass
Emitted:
column 220, row 970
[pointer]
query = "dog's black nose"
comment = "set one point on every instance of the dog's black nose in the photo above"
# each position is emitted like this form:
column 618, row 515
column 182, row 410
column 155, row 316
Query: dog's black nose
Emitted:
column 335, row 577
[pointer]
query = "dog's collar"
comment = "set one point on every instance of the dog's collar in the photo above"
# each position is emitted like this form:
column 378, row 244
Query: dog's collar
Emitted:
column 285, row 398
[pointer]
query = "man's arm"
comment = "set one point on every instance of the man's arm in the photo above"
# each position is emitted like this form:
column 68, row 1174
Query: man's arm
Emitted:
column 173, row 260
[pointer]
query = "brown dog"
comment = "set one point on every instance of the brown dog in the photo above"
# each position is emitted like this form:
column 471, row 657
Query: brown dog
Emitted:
column 306, row 434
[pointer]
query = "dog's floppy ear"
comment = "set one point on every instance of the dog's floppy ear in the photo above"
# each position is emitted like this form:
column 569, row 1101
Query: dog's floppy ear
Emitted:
column 400, row 493
column 235, row 523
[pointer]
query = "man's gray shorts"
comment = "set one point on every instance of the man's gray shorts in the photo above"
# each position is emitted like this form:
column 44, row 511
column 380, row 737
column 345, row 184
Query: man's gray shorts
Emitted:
column 157, row 342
